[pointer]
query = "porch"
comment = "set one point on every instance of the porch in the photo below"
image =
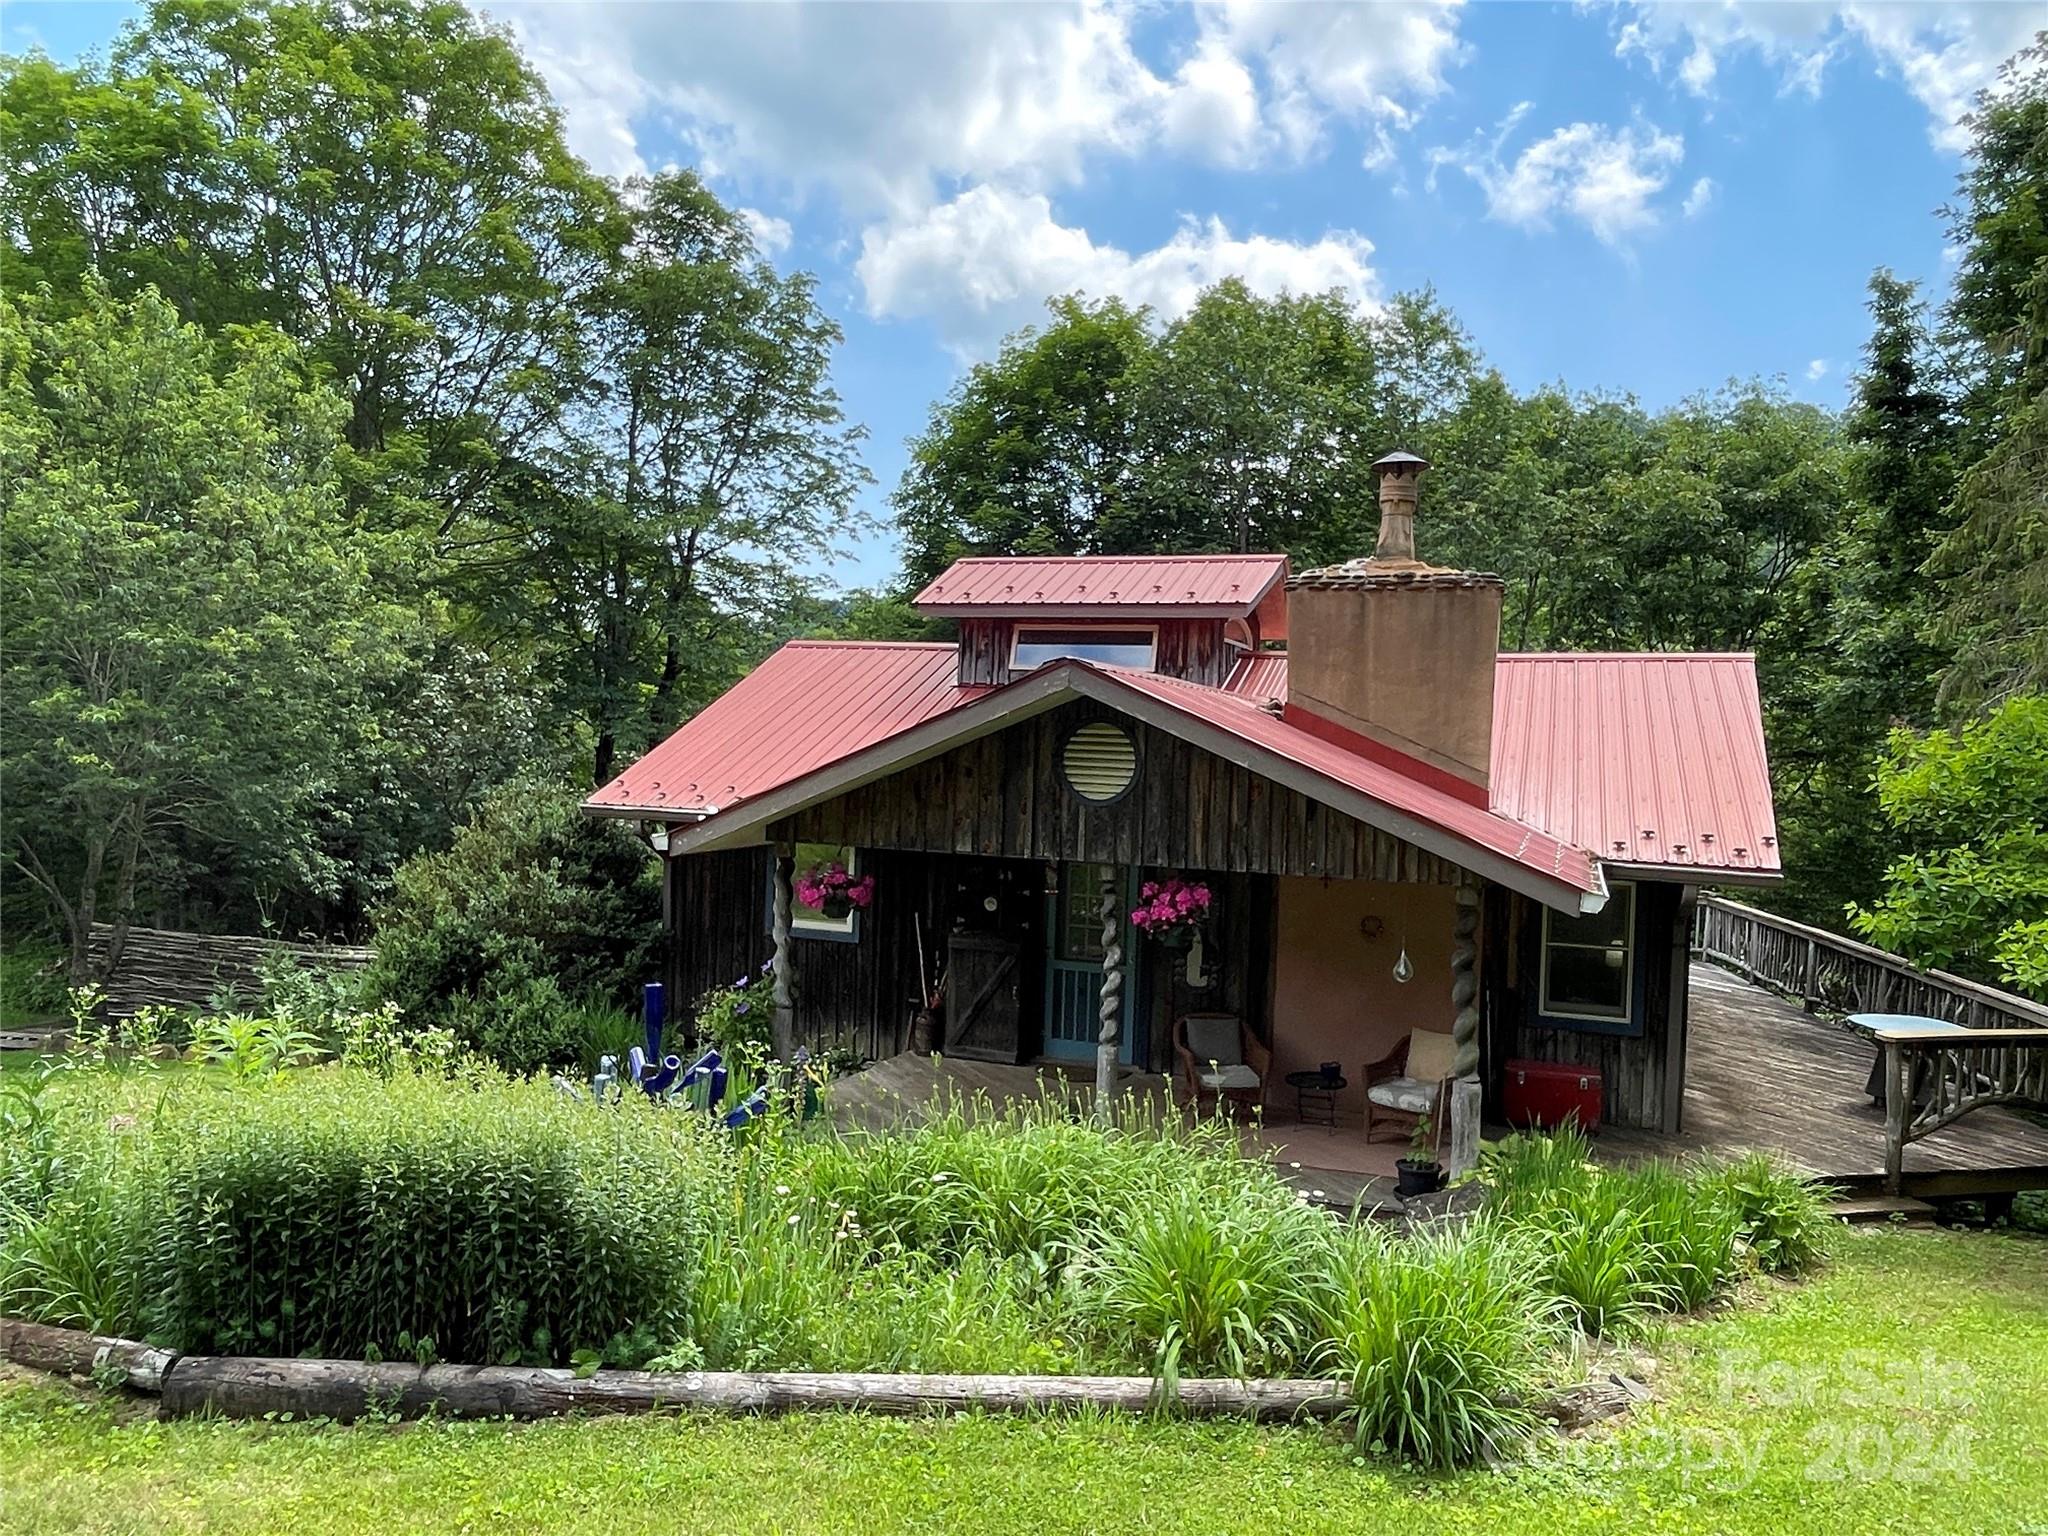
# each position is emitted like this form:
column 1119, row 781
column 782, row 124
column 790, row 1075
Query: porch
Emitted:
column 1761, row 1074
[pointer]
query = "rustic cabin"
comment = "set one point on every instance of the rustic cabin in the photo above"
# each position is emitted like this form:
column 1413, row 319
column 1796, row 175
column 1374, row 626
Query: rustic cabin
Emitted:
column 1292, row 838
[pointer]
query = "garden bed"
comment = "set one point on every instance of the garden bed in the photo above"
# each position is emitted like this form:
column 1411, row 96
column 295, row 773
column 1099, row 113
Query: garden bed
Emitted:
column 307, row 1230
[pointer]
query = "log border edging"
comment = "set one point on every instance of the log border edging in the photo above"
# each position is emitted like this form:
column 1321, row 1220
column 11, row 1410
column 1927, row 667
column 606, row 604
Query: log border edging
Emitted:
column 343, row 1390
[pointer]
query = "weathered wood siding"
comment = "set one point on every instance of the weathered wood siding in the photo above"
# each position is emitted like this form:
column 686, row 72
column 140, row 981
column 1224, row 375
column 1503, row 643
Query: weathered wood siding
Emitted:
column 851, row 995
column 1005, row 796
column 859, row 995
column 1188, row 648
column 1640, row 1072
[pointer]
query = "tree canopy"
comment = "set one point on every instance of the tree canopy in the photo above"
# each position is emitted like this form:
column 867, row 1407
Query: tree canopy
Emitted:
column 364, row 452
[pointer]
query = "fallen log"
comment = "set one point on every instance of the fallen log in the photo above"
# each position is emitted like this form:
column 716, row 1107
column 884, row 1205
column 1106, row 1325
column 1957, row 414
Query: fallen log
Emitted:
column 70, row 1352
column 346, row 1389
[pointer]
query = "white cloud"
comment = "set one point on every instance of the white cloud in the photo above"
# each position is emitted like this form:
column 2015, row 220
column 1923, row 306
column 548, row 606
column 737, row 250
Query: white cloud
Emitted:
column 1213, row 110
column 1375, row 63
column 595, row 84
column 1700, row 197
column 771, row 234
column 892, row 107
column 1604, row 177
column 1817, row 370
column 1943, row 51
column 984, row 263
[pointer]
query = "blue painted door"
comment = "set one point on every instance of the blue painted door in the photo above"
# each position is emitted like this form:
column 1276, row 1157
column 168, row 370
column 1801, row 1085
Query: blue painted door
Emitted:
column 1073, row 962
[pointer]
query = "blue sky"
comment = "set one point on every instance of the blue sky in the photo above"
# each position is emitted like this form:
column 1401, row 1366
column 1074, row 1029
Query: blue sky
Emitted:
column 1651, row 198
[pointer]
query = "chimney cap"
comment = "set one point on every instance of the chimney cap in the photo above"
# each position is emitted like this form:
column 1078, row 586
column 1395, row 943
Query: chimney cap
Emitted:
column 1400, row 460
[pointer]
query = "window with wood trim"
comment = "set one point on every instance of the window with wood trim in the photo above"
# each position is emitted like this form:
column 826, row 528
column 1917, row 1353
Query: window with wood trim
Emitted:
column 1589, row 961
column 808, row 922
column 1107, row 645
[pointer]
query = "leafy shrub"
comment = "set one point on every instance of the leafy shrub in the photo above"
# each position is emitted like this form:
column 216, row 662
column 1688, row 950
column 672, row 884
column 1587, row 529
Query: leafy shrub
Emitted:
column 603, row 1029
column 740, row 1019
column 31, row 983
column 1781, row 1216
column 1028, row 1182
column 250, row 1047
column 534, row 904
column 1210, row 1281
column 1968, row 812
column 341, row 1214
column 1618, row 1243
column 518, row 1020
column 378, row 1040
column 1438, row 1337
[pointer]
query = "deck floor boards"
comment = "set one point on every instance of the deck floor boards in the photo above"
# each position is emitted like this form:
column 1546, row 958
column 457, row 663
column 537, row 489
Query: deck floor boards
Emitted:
column 1761, row 1072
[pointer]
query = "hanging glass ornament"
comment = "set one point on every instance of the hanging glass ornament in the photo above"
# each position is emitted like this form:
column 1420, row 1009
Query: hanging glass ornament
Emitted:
column 1403, row 971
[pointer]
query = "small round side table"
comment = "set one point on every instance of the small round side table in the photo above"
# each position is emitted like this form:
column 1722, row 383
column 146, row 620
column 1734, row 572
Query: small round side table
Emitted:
column 1315, row 1097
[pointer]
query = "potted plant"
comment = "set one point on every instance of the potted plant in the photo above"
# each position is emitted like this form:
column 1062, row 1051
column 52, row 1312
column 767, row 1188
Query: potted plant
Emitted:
column 1173, row 911
column 1419, row 1173
column 832, row 891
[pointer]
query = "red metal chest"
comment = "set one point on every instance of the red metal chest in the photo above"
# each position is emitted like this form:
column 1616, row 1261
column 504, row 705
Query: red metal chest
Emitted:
column 1550, row 1093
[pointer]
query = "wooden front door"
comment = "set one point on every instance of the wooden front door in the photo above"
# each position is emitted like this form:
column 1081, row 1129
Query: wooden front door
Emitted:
column 1073, row 964
column 983, row 1019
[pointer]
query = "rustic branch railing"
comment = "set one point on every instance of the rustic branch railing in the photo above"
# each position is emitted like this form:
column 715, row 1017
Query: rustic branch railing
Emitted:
column 1935, row 1077
column 1825, row 970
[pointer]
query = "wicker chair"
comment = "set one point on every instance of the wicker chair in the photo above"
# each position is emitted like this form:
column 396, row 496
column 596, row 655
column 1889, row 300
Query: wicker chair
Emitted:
column 1409, row 1082
column 1221, row 1059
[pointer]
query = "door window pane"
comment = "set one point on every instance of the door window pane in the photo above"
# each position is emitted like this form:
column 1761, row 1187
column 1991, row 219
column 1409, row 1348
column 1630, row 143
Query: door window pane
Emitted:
column 1081, row 911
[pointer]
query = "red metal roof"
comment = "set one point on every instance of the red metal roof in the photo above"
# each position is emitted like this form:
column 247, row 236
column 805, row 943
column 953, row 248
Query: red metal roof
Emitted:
column 811, row 703
column 1600, row 747
column 1645, row 759
column 1088, row 586
column 1259, row 675
column 1488, row 829
column 1589, row 751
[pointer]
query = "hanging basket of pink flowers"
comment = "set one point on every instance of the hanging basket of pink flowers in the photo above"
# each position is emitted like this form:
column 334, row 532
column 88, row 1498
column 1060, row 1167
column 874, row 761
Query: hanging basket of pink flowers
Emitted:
column 1171, row 910
column 831, row 891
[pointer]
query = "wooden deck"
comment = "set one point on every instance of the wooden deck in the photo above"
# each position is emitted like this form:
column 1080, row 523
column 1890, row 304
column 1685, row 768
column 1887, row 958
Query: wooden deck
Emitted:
column 1760, row 1074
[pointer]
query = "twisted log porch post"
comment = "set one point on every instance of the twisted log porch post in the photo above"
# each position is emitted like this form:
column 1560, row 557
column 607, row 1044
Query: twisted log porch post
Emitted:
column 1465, row 1092
column 1110, row 1011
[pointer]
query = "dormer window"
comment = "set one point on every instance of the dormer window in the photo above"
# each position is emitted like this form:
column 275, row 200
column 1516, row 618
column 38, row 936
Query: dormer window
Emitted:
column 1106, row 645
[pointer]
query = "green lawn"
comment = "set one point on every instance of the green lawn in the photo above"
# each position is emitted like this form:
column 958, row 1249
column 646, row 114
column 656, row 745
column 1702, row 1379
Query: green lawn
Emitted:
column 1902, row 1390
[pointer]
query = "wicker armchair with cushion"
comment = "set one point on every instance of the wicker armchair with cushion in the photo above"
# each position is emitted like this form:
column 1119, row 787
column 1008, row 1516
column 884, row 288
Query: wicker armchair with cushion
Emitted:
column 1220, row 1058
column 1408, row 1082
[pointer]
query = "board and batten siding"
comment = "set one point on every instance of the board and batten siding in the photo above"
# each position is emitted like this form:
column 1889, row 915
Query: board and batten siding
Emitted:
column 857, row 995
column 1643, row 1073
column 1004, row 796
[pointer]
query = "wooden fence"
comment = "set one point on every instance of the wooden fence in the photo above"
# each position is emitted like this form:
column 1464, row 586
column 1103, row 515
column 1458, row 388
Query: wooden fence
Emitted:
column 168, row 968
column 1826, row 971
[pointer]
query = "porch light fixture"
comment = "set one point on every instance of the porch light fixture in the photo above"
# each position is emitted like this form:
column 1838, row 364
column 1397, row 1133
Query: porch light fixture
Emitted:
column 1100, row 760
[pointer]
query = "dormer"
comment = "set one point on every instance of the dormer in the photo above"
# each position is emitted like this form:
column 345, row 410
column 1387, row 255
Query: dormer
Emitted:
column 1186, row 616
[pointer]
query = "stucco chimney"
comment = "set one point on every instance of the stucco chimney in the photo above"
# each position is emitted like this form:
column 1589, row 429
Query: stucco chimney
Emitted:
column 1396, row 650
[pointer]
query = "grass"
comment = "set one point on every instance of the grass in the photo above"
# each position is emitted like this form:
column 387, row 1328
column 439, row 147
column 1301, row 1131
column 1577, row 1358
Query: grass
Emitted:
column 1820, row 1407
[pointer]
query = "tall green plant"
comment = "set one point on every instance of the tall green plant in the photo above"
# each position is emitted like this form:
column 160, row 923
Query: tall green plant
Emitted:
column 1439, row 1339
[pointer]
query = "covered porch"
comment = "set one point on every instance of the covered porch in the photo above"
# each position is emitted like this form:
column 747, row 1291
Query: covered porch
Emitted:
column 1762, row 1076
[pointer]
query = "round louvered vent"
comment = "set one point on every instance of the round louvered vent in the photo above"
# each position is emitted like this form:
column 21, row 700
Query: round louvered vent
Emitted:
column 1100, row 761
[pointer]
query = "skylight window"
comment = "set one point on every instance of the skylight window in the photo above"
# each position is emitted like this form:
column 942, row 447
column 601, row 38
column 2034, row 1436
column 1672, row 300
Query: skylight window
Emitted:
column 1105, row 646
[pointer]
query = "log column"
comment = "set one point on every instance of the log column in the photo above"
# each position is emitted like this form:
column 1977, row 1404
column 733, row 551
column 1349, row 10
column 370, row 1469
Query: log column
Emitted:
column 785, row 995
column 1110, row 1012
column 1465, row 1089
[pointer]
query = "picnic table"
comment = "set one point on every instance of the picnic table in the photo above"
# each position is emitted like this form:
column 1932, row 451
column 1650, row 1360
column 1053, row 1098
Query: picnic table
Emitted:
column 1875, row 1025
